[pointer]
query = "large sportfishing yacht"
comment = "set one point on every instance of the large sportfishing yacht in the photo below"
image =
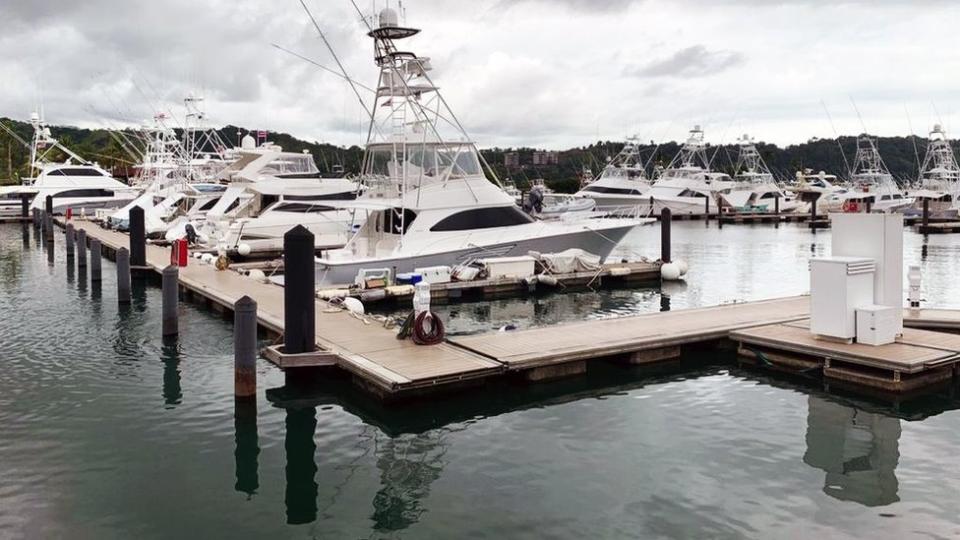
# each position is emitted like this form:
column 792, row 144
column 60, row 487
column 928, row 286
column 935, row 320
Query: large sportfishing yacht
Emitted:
column 754, row 188
column 687, row 185
column 623, row 181
column 73, row 183
column 872, row 187
column 939, row 181
column 429, row 200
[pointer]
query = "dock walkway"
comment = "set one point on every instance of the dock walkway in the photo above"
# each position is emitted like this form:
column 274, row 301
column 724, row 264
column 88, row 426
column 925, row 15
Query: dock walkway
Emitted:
column 387, row 366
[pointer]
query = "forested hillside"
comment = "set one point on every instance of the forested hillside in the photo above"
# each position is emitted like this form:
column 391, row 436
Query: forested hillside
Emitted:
column 899, row 153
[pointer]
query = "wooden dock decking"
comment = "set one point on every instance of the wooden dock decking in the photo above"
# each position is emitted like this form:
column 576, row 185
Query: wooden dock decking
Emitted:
column 538, row 347
column 387, row 366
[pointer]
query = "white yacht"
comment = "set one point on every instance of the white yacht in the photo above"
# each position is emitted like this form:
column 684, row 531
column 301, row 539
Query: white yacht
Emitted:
column 939, row 180
column 622, row 183
column 74, row 183
column 271, row 191
column 825, row 187
column 754, row 188
column 872, row 187
column 687, row 185
column 429, row 199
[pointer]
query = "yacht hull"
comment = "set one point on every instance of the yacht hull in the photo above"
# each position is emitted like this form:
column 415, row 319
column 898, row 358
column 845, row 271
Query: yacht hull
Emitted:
column 597, row 242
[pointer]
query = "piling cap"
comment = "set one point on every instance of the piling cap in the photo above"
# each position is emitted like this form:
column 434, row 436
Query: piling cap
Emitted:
column 298, row 232
column 137, row 209
column 245, row 303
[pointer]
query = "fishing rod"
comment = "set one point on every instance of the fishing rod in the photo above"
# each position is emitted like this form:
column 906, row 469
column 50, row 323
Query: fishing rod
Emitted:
column 324, row 68
column 846, row 163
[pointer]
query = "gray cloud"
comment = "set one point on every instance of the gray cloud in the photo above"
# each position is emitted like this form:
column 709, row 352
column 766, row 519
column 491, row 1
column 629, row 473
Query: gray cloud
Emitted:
column 694, row 61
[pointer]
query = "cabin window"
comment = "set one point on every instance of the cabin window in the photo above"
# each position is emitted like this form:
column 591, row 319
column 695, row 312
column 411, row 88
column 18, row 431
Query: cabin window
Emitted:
column 72, row 193
column 483, row 218
column 76, row 171
column 303, row 208
column 611, row 190
column 342, row 196
column 691, row 193
column 209, row 204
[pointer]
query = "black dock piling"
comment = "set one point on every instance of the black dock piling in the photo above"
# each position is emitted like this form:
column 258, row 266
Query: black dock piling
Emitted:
column 170, row 299
column 96, row 267
column 36, row 219
column 138, row 238
column 299, row 291
column 245, row 348
column 48, row 225
column 926, row 214
column 24, row 206
column 666, row 219
column 70, row 240
column 123, row 276
column 81, row 248
column 48, row 205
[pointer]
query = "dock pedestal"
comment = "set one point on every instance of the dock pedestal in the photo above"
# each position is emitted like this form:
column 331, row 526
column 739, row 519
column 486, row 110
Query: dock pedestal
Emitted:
column 170, row 299
column 245, row 348
column 96, row 274
column 123, row 276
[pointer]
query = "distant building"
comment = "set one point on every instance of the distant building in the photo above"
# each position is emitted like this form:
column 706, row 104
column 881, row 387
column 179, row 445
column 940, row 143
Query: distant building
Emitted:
column 511, row 159
column 544, row 157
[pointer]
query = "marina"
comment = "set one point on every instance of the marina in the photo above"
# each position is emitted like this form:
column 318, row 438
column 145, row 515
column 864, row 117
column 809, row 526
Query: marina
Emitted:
column 478, row 270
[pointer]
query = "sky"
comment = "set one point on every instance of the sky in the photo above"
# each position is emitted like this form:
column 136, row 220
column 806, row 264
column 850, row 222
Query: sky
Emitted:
column 552, row 74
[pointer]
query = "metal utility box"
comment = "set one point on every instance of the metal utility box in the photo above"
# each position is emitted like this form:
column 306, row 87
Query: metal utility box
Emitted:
column 876, row 325
column 838, row 286
column 878, row 237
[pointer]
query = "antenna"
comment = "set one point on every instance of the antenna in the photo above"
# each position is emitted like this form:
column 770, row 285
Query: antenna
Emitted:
column 832, row 127
column 913, row 139
column 337, row 59
column 863, row 125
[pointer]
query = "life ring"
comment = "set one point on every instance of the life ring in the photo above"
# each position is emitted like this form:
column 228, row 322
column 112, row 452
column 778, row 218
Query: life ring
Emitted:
column 850, row 206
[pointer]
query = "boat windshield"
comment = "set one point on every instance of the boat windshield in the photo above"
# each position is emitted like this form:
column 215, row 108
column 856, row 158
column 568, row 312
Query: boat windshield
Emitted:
column 296, row 164
column 423, row 161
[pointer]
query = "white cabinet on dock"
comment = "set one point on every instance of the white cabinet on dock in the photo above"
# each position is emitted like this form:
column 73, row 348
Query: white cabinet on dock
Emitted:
column 838, row 286
column 876, row 325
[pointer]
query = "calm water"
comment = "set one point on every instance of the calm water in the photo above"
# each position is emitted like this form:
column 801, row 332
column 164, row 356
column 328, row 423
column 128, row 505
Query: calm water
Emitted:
column 107, row 432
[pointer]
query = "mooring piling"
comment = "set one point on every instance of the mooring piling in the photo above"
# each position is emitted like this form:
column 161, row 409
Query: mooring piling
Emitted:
column 36, row 218
column 123, row 276
column 666, row 218
column 95, row 261
column 24, row 206
column 81, row 248
column 926, row 213
column 170, row 293
column 70, row 240
column 138, row 238
column 245, row 347
column 49, row 226
column 299, row 291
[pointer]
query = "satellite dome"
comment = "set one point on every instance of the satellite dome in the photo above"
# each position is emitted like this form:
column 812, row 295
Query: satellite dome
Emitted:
column 247, row 142
column 388, row 18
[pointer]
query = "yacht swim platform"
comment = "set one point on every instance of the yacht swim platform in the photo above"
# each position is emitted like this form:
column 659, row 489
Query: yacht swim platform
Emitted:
column 388, row 367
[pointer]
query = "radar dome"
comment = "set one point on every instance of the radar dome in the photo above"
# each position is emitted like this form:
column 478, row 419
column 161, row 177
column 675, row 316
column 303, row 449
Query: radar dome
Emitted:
column 247, row 142
column 388, row 18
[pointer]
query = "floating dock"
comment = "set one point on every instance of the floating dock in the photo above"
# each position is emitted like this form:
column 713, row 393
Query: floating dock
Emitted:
column 389, row 367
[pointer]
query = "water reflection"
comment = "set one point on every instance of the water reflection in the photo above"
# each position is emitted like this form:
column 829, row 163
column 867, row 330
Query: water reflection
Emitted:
column 301, row 493
column 25, row 234
column 170, row 354
column 408, row 466
column 246, row 451
column 858, row 450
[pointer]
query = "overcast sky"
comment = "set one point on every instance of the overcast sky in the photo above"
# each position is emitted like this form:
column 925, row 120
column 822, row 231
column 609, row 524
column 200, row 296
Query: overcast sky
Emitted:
column 518, row 72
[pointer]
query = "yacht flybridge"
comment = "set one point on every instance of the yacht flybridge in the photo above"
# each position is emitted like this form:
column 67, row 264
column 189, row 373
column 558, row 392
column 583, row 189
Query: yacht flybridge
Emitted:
column 754, row 189
column 73, row 183
column 939, row 181
column 687, row 185
column 429, row 200
column 622, row 183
